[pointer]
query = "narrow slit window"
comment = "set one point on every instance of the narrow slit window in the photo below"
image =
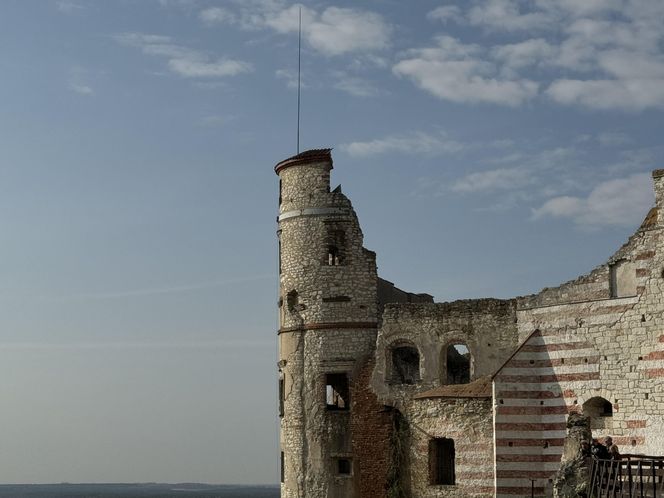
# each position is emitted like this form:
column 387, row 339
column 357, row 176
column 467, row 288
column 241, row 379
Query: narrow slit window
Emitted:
column 282, row 467
column 282, row 394
column 337, row 394
column 441, row 461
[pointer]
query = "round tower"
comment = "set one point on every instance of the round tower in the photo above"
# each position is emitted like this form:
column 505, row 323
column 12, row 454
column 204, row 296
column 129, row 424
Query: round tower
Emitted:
column 328, row 320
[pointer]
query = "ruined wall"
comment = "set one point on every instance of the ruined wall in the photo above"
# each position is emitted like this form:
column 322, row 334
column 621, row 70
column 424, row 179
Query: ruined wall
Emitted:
column 328, row 303
column 581, row 343
column 372, row 426
column 468, row 422
column 488, row 328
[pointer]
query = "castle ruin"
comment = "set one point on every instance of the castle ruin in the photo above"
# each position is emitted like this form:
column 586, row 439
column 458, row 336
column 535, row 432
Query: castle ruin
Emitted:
column 384, row 393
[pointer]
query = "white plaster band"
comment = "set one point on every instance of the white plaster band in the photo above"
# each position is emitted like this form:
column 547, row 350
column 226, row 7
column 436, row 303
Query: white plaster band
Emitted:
column 310, row 212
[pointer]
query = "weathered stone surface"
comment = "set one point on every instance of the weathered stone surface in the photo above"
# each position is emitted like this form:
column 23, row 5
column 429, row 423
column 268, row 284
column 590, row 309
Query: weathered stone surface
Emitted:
column 550, row 356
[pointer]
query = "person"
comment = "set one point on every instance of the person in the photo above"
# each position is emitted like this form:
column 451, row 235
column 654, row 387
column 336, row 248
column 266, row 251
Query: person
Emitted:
column 611, row 448
column 585, row 449
column 598, row 450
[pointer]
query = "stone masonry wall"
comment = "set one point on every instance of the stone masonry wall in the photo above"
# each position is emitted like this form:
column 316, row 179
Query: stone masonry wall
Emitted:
column 581, row 345
column 468, row 422
column 327, row 325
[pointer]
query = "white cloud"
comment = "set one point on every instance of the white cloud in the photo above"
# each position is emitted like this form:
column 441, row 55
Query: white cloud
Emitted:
column 68, row 7
column 416, row 143
column 505, row 15
column 356, row 86
column 497, row 179
column 216, row 15
column 182, row 60
column 81, row 89
column 290, row 77
column 613, row 138
column 193, row 68
column 456, row 72
column 618, row 202
column 629, row 95
column 446, row 13
column 336, row 30
column 517, row 55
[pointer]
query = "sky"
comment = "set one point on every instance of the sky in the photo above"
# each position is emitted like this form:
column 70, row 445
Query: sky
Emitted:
column 489, row 147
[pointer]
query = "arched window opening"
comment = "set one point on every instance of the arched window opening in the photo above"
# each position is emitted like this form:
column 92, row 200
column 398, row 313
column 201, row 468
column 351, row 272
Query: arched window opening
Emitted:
column 458, row 364
column 405, row 365
column 600, row 412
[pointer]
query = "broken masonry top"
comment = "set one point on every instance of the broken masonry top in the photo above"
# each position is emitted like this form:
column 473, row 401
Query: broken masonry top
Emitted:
column 306, row 157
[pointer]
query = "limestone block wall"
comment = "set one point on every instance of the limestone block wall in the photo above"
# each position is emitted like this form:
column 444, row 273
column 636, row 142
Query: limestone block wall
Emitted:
column 580, row 343
column 468, row 422
column 327, row 306
column 486, row 326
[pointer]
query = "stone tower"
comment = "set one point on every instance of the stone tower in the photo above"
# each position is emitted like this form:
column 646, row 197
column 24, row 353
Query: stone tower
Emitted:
column 327, row 325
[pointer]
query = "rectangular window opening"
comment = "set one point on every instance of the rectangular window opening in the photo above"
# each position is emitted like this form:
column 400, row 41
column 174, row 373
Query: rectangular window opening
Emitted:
column 441, row 461
column 282, row 467
column 282, row 396
column 337, row 394
column 344, row 467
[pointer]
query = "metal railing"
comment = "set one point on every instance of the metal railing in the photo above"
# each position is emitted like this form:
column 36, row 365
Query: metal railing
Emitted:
column 633, row 476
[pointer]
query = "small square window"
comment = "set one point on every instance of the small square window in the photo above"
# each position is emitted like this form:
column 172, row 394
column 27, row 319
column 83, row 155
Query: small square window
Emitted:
column 344, row 467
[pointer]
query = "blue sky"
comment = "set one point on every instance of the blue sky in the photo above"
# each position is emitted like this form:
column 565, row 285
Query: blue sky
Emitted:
column 490, row 148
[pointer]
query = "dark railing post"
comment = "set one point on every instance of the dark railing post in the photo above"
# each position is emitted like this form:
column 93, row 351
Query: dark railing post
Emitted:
column 654, row 480
column 641, row 478
column 629, row 477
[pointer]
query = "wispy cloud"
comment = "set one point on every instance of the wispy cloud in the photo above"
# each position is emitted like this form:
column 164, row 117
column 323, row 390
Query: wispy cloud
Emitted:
column 356, row 85
column 414, row 143
column 81, row 89
column 68, row 6
column 451, row 70
column 217, row 15
column 599, row 54
column 497, row 179
column 332, row 31
column 618, row 202
column 184, row 61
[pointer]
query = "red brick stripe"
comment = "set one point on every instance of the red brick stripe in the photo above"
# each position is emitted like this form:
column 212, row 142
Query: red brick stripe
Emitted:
column 566, row 346
column 532, row 410
column 528, row 395
column 527, row 458
column 636, row 424
column 539, row 379
column 530, row 442
column 645, row 255
column 525, row 426
column 655, row 355
column 655, row 372
column 556, row 362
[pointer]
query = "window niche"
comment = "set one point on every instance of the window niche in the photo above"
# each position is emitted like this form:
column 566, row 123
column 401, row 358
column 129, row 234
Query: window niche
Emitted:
column 600, row 412
column 441, row 461
column 344, row 467
column 335, row 244
column 282, row 393
column 622, row 279
column 458, row 364
column 405, row 364
column 337, row 392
